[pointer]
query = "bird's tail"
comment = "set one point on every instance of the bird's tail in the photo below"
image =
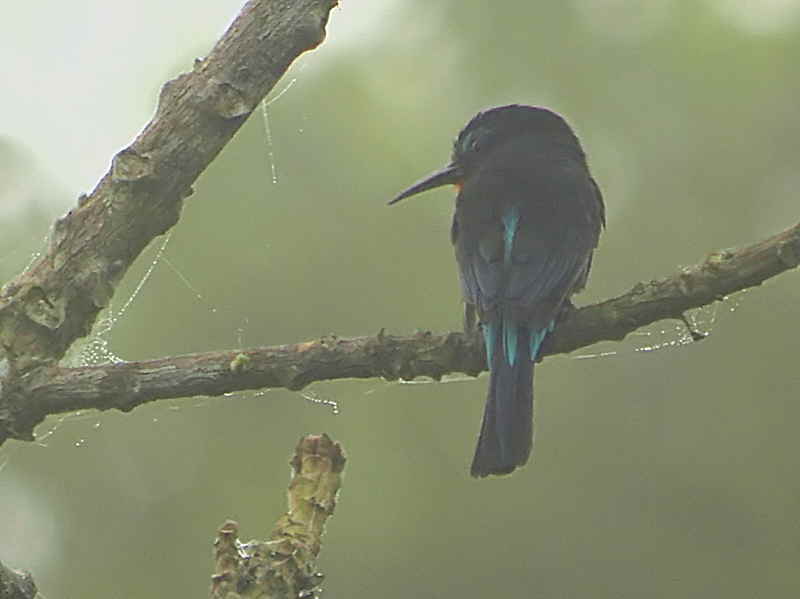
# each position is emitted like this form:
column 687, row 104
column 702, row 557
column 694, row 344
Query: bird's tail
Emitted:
column 506, row 435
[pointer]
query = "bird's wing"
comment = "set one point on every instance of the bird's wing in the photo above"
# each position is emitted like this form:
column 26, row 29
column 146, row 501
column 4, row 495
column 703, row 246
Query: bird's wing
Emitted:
column 534, row 269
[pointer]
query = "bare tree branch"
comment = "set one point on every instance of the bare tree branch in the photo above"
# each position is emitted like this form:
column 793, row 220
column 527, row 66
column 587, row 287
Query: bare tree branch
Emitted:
column 284, row 566
column 721, row 274
column 45, row 309
column 16, row 584
column 57, row 300
column 126, row 385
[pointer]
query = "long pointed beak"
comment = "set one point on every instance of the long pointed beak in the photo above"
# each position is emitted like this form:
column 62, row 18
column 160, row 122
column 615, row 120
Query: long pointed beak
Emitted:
column 449, row 175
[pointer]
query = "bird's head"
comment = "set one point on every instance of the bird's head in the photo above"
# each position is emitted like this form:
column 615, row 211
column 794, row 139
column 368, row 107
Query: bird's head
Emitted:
column 490, row 131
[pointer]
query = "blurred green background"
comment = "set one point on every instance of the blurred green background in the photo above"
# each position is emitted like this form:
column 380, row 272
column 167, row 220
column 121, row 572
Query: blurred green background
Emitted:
column 662, row 473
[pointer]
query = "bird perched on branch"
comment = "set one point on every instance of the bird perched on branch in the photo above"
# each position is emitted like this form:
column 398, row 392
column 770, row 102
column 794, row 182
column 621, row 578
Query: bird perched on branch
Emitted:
column 527, row 220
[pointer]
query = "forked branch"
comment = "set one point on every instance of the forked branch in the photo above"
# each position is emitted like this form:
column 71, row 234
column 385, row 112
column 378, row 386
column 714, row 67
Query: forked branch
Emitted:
column 57, row 300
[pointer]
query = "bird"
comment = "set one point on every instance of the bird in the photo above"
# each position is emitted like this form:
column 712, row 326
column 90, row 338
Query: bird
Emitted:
column 527, row 220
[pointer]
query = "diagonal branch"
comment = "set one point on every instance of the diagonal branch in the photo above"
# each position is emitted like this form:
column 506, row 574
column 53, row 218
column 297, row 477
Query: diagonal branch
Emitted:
column 126, row 385
column 45, row 309
column 16, row 584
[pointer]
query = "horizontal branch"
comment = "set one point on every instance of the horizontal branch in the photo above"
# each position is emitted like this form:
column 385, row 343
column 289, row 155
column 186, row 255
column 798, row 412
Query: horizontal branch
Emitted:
column 126, row 385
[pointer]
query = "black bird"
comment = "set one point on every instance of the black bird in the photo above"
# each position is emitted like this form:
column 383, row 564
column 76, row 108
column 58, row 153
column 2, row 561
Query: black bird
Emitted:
column 527, row 220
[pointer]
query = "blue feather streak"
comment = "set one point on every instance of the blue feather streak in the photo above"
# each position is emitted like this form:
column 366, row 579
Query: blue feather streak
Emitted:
column 538, row 337
column 510, row 341
column 489, row 330
column 510, row 224
column 510, row 330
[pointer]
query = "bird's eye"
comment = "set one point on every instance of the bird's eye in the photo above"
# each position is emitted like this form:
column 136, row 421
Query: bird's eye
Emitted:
column 473, row 142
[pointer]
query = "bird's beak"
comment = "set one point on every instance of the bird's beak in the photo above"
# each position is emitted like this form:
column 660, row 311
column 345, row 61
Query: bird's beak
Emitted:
column 449, row 175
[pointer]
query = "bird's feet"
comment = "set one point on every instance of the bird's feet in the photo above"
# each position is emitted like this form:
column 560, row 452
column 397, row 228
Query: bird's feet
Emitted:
column 567, row 309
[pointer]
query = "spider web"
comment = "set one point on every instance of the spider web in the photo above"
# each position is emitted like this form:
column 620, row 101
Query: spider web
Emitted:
column 657, row 337
column 668, row 335
column 98, row 348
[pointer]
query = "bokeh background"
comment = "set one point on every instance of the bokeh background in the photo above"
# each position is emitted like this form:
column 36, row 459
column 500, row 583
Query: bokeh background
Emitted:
column 662, row 468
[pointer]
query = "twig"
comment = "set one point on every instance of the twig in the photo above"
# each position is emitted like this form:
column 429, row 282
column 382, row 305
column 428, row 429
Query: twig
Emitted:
column 284, row 566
